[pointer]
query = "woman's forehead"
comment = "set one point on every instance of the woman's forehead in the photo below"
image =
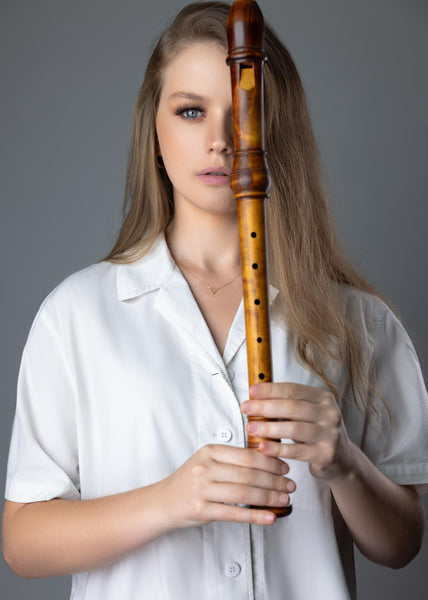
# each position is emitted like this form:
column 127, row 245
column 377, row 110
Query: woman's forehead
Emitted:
column 200, row 65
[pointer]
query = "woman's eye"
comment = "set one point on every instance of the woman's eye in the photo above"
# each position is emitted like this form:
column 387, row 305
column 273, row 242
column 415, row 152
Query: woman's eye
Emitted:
column 189, row 113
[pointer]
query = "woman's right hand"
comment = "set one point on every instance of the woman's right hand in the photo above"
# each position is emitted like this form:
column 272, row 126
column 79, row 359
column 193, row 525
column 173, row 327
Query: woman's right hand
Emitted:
column 210, row 483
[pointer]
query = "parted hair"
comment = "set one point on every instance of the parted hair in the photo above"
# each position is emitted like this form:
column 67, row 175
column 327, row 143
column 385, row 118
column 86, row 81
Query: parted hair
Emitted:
column 307, row 262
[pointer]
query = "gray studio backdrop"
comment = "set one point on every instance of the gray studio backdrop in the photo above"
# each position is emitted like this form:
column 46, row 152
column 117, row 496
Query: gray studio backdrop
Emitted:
column 70, row 71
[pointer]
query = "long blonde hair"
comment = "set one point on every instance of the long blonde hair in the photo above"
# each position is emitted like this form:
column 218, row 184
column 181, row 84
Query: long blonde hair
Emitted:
column 306, row 259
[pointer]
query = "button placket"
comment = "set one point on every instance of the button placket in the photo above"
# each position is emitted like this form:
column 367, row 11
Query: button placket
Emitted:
column 221, row 414
column 226, row 544
column 233, row 559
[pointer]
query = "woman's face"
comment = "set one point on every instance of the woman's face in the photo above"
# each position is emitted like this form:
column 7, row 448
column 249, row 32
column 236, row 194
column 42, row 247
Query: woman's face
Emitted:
column 194, row 128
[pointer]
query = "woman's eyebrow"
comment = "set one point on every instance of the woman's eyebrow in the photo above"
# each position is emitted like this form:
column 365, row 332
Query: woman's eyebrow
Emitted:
column 186, row 96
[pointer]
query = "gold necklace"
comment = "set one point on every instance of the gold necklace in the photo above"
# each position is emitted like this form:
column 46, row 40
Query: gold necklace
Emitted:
column 213, row 290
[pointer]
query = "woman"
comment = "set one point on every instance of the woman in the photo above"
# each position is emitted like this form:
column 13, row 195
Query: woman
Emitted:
column 128, row 465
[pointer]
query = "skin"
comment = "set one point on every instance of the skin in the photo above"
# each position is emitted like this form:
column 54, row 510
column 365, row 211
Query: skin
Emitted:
column 55, row 537
column 204, row 232
column 309, row 416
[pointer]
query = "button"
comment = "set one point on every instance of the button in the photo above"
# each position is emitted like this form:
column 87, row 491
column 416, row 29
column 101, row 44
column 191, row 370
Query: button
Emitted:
column 232, row 569
column 223, row 435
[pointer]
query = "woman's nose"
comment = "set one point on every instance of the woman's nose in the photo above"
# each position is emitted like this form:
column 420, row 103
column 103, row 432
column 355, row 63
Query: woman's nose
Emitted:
column 220, row 135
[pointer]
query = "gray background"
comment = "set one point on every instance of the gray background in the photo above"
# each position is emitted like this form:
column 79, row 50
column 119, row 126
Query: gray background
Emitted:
column 70, row 71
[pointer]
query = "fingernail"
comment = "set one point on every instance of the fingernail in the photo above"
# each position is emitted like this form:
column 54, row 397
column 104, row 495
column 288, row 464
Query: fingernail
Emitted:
column 246, row 406
column 254, row 389
column 291, row 486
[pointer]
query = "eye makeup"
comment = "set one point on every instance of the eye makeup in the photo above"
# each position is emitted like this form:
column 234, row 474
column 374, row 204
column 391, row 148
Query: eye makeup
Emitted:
column 180, row 111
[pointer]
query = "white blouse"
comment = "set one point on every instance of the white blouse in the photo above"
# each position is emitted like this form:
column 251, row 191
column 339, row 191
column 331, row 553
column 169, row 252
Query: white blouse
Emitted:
column 121, row 382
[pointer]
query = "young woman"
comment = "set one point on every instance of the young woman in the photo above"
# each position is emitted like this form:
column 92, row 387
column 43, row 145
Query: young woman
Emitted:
column 128, row 464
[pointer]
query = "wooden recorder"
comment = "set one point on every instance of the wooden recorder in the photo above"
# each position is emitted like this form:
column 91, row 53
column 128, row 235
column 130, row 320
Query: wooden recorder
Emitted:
column 250, row 183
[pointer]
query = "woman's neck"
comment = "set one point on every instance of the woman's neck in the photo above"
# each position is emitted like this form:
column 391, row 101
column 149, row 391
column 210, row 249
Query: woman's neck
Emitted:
column 206, row 243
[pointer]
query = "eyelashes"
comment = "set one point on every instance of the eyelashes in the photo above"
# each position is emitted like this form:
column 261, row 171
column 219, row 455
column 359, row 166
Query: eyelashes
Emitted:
column 189, row 109
column 194, row 114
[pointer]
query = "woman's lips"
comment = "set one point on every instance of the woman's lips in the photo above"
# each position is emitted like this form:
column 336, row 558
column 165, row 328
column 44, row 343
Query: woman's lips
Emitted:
column 214, row 179
column 215, row 175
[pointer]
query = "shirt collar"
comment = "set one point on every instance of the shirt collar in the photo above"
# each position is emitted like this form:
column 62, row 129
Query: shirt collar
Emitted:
column 146, row 274
column 151, row 271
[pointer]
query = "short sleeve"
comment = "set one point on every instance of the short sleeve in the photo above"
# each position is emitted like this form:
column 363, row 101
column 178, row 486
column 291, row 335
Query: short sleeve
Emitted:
column 398, row 443
column 43, row 457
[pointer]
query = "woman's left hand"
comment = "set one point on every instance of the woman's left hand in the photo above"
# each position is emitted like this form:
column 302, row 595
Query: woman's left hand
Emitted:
column 307, row 415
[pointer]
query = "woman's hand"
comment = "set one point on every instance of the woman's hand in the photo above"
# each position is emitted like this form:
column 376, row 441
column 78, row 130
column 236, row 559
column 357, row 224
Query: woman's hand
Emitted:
column 385, row 519
column 307, row 415
column 209, row 484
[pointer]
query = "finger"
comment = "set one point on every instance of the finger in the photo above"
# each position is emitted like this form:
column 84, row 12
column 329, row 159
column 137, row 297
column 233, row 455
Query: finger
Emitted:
column 246, row 457
column 221, row 472
column 237, row 514
column 309, row 433
column 245, row 494
column 291, row 390
column 283, row 408
column 303, row 452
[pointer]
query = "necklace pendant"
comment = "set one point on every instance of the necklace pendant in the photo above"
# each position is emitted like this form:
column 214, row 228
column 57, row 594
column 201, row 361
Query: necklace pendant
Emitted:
column 213, row 290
